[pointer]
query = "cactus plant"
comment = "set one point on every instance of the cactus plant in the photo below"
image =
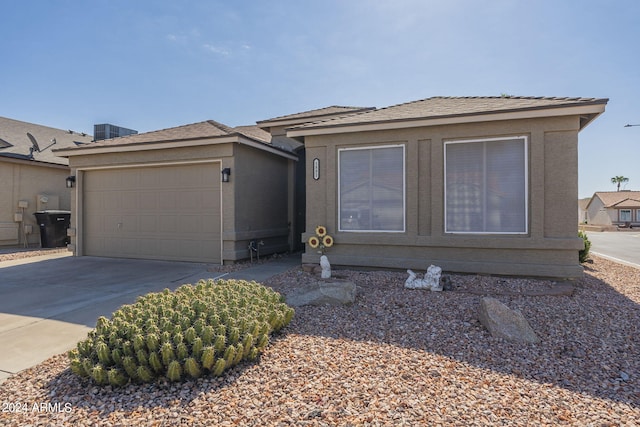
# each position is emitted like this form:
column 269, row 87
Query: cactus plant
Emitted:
column 193, row 331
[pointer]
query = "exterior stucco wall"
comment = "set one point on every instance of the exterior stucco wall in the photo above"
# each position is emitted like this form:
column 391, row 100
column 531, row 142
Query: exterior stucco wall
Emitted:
column 22, row 180
column 550, row 248
column 256, row 191
column 599, row 215
column 260, row 211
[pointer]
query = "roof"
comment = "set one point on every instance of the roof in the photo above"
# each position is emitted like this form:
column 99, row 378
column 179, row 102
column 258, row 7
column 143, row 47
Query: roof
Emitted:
column 446, row 110
column 618, row 199
column 198, row 133
column 15, row 142
column 312, row 115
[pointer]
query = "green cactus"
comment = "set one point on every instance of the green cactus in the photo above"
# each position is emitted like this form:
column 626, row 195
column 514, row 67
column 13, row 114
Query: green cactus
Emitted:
column 167, row 353
column 99, row 375
column 263, row 341
column 219, row 367
column 239, row 354
column 142, row 357
column 178, row 338
column 182, row 351
column 153, row 342
column 190, row 334
column 229, row 355
column 144, row 374
column 192, row 368
column 234, row 335
column 253, row 354
column 116, row 377
column 207, row 335
column 220, row 344
column 104, row 355
column 155, row 362
column 208, row 357
column 77, row 367
column 196, row 348
column 130, row 366
column 174, row 371
column 116, row 356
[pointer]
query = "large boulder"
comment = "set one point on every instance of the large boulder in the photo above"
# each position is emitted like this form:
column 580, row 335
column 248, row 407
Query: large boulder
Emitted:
column 505, row 323
column 321, row 292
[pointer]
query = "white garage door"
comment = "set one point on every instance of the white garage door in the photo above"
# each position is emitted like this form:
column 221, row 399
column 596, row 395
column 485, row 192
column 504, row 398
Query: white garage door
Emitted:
column 163, row 212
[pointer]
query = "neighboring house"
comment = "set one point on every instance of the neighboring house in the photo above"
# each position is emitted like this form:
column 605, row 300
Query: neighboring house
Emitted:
column 32, row 177
column 614, row 208
column 471, row 184
column 583, row 216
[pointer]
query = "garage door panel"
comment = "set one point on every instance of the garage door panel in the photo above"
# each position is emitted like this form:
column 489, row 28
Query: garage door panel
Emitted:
column 167, row 212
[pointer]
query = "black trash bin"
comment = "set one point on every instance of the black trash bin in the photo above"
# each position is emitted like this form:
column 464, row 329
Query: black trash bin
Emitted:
column 53, row 228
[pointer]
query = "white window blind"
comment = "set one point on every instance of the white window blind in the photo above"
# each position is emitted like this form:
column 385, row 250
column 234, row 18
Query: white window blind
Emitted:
column 371, row 189
column 486, row 186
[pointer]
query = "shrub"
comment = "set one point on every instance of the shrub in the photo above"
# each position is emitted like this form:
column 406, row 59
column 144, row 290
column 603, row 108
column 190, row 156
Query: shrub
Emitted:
column 194, row 331
column 583, row 255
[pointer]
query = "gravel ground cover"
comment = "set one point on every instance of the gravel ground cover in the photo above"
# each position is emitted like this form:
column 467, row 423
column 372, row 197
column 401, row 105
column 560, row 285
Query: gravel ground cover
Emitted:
column 395, row 357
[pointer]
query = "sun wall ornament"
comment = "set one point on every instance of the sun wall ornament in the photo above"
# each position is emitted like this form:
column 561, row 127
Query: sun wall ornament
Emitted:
column 321, row 240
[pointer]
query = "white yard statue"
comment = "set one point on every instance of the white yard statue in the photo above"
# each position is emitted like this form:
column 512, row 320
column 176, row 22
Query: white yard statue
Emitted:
column 326, row 267
column 430, row 281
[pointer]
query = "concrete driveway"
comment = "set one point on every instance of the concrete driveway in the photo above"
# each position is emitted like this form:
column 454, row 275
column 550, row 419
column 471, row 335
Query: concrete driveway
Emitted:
column 48, row 304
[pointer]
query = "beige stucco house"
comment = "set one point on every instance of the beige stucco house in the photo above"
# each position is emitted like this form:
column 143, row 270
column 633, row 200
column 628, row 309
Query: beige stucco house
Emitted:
column 614, row 209
column 472, row 184
column 32, row 177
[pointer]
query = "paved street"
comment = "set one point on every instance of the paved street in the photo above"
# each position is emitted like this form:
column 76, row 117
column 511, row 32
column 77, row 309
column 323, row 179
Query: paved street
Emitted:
column 618, row 245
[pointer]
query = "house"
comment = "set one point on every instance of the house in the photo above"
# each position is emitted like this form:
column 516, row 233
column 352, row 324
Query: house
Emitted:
column 614, row 208
column 583, row 218
column 32, row 176
column 471, row 184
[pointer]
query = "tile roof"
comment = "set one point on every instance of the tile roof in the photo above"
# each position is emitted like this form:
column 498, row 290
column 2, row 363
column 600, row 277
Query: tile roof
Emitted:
column 200, row 130
column 317, row 114
column 15, row 143
column 618, row 198
column 443, row 107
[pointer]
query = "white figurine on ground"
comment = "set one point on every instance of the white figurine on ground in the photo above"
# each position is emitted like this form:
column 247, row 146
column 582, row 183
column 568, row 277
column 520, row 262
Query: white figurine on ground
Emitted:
column 326, row 267
column 430, row 281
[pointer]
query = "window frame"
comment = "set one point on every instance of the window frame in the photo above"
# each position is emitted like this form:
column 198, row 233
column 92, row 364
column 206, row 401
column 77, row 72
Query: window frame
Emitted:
column 404, row 187
column 630, row 211
column 525, row 142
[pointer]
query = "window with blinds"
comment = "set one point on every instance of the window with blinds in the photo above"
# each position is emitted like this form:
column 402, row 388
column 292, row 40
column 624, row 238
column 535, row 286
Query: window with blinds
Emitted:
column 486, row 186
column 371, row 189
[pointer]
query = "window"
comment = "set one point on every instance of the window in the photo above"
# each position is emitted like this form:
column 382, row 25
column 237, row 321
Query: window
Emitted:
column 371, row 189
column 486, row 186
column 625, row 214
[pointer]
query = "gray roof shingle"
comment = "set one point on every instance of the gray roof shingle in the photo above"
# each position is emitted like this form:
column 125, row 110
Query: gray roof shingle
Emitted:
column 15, row 143
column 443, row 107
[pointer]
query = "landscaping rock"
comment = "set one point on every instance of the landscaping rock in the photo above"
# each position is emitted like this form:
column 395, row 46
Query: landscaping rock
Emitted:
column 335, row 292
column 502, row 322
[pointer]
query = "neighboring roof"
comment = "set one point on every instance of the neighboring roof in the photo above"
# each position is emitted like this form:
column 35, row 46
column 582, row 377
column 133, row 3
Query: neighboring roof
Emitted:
column 618, row 199
column 449, row 110
column 15, row 142
column 192, row 134
column 583, row 203
column 312, row 116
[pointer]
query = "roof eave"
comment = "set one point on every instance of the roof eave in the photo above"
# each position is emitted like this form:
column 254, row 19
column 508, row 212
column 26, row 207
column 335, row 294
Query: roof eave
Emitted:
column 586, row 112
column 163, row 145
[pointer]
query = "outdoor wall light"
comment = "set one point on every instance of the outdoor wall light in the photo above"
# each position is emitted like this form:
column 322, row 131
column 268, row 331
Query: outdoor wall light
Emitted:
column 70, row 181
column 225, row 174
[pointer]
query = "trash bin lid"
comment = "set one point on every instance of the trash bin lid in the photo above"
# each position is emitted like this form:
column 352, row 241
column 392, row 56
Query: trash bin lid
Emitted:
column 52, row 212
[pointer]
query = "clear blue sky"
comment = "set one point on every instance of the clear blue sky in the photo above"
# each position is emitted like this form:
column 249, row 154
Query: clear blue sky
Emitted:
column 150, row 65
